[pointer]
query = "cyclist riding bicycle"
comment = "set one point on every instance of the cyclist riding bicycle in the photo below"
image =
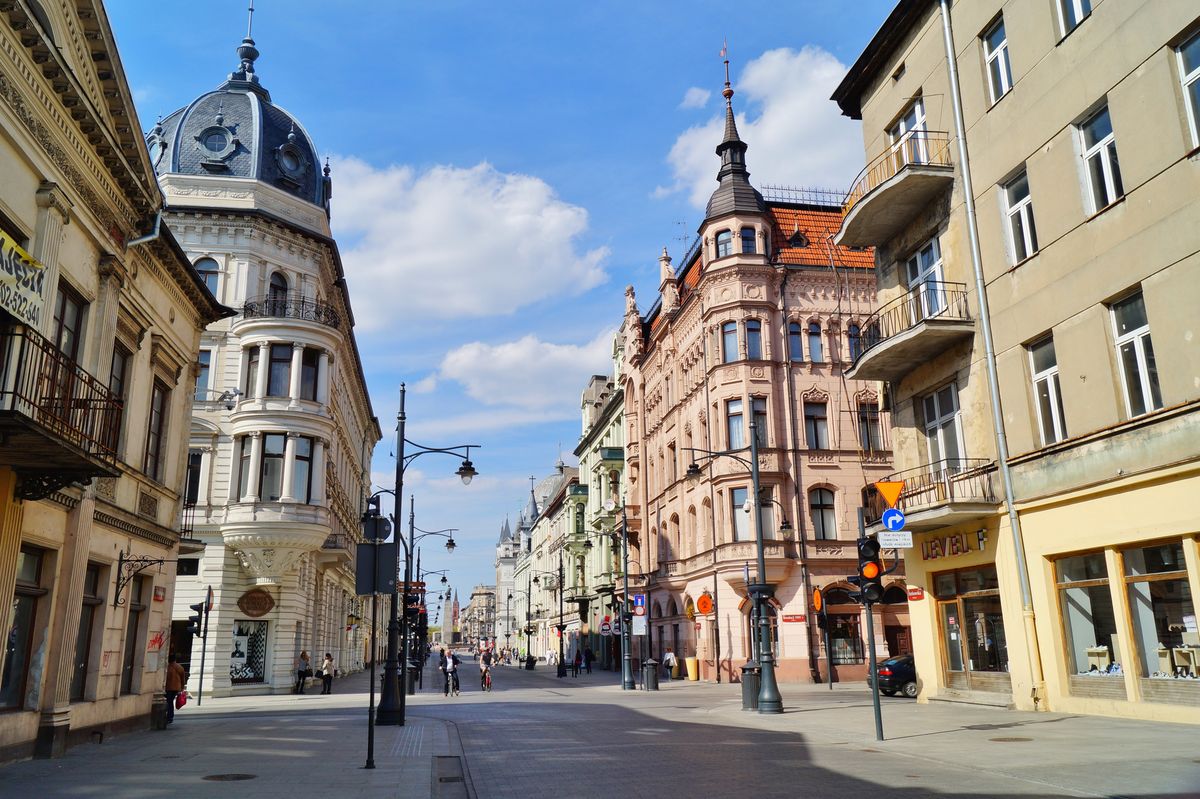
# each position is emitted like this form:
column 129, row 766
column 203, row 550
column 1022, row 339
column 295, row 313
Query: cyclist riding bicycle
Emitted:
column 485, row 667
column 450, row 667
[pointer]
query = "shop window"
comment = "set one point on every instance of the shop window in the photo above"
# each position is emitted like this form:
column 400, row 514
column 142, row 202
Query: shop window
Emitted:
column 1164, row 615
column 1089, row 626
column 87, row 625
column 845, row 639
column 23, row 617
column 972, row 623
column 248, row 653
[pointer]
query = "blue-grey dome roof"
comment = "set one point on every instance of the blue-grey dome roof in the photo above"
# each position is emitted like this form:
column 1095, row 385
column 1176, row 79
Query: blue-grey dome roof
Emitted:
column 236, row 131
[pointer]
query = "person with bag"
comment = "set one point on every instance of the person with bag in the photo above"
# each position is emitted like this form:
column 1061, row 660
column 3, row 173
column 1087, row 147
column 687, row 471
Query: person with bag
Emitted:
column 450, row 667
column 176, row 680
column 327, row 674
column 303, row 671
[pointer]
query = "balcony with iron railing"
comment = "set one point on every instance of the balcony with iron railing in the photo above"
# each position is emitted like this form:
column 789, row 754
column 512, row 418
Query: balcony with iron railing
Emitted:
column 911, row 329
column 291, row 305
column 942, row 494
column 59, row 424
column 895, row 187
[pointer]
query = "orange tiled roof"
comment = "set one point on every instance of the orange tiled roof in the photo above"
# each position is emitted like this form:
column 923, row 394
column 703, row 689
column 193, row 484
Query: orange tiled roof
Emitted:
column 816, row 229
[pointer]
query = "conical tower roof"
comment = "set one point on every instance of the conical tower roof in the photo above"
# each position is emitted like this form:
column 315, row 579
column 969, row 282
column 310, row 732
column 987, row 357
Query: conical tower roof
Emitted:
column 734, row 194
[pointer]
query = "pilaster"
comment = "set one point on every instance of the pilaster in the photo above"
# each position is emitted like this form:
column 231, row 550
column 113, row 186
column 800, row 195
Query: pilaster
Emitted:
column 54, row 213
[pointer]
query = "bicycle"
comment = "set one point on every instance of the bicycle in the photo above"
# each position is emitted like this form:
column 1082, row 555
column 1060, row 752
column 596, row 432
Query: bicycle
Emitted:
column 485, row 680
column 452, row 686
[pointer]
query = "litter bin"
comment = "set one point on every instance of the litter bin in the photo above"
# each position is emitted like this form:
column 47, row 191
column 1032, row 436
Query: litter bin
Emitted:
column 529, row 662
column 650, row 675
column 751, row 676
column 693, row 668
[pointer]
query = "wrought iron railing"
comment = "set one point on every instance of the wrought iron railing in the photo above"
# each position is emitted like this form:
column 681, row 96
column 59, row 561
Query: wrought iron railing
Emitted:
column 187, row 521
column 917, row 148
column 941, row 482
column 338, row 541
column 928, row 300
column 40, row 383
column 291, row 306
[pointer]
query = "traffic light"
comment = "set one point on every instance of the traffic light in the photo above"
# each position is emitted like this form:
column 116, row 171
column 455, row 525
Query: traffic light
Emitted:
column 870, row 570
column 194, row 621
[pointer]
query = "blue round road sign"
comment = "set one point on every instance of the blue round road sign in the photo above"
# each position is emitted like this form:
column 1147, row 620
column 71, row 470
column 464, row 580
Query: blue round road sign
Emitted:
column 893, row 519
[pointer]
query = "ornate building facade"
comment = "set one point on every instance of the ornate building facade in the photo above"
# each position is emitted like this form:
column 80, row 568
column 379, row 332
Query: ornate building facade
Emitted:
column 283, row 429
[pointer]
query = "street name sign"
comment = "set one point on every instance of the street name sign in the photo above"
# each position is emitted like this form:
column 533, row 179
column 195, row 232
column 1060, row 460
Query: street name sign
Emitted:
column 895, row 539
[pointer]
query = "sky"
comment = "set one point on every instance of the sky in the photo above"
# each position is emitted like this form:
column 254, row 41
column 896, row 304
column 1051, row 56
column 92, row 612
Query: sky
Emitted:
column 501, row 172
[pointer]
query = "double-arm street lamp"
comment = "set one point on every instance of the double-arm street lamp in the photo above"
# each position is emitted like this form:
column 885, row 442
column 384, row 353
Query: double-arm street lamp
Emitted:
column 561, row 626
column 528, row 592
column 627, row 683
column 769, row 699
column 392, row 700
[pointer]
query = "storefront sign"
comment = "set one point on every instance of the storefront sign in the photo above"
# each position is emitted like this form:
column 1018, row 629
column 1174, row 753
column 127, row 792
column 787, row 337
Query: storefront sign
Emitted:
column 915, row 593
column 160, row 593
column 255, row 603
column 798, row 618
column 951, row 545
column 21, row 282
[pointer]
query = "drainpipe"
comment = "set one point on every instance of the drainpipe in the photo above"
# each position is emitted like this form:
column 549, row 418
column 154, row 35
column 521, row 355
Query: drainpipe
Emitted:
column 151, row 236
column 985, row 323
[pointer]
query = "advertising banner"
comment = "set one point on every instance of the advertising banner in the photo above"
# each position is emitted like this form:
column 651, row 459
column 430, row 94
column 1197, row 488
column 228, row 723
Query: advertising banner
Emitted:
column 21, row 282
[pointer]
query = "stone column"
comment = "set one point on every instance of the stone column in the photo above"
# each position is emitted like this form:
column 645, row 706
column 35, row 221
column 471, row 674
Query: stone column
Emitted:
column 294, row 382
column 102, row 324
column 55, row 700
column 289, row 469
column 317, row 494
column 12, row 513
column 325, row 362
column 254, row 484
column 264, row 368
column 54, row 213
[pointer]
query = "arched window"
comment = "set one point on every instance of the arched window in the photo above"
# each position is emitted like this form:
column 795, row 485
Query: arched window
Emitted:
column 815, row 353
column 209, row 272
column 795, row 341
column 749, row 244
column 754, row 339
column 729, row 347
column 820, row 505
column 277, row 294
column 724, row 243
column 854, row 338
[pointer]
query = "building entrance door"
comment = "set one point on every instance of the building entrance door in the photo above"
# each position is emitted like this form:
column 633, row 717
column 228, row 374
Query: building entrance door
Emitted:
column 974, row 649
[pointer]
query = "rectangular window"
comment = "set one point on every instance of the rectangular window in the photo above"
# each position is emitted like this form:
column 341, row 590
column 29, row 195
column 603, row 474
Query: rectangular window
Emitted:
column 1135, row 352
column 23, row 618
column 870, row 435
column 1089, row 625
column 816, row 425
column 87, row 624
column 815, row 350
column 1164, row 615
column 271, row 484
column 924, row 273
column 942, row 427
column 1072, row 12
column 845, row 639
column 309, row 365
column 279, row 376
column 204, row 362
column 1052, row 422
column 908, row 136
column 754, row 339
column 734, row 425
column 995, row 51
column 118, row 377
column 749, row 245
column 820, row 507
column 729, row 344
column 244, row 459
column 1189, row 76
column 133, row 626
column 252, row 358
column 302, row 476
column 795, row 342
column 758, row 413
column 68, row 321
column 155, row 429
column 1022, row 234
column 191, row 490
column 724, row 243
column 1100, row 159
column 741, row 520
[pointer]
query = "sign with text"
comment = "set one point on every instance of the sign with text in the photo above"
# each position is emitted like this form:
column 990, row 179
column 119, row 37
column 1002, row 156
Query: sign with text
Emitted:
column 915, row 593
column 951, row 545
column 895, row 539
column 21, row 282
column 256, row 603
column 639, row 625
column 796, row 618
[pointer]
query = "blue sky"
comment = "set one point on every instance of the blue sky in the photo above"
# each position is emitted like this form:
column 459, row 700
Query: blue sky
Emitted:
column 501, row 172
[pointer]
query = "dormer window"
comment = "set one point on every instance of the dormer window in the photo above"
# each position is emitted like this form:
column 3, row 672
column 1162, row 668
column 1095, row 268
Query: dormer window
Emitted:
column 749, row 243
column 724, row 243
column 798, row 240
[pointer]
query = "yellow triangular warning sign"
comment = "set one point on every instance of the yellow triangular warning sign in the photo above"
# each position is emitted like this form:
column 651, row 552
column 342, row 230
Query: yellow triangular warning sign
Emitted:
column 890, row 490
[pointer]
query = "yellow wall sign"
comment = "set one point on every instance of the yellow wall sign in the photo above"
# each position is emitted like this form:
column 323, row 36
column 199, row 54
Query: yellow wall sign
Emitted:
column 21, row 282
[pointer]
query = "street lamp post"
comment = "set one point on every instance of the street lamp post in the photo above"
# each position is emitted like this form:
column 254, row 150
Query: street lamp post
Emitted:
column 561, row 626
column 392, row 698
column 769, row 699
column 627, row 683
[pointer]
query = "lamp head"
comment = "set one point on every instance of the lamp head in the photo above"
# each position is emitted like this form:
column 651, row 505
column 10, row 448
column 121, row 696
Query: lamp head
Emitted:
column 466, row 471
column 587, row 544
column 450, row 545
column 693, row 472
column 785, row 526
column 537, row 580
column 444, row 580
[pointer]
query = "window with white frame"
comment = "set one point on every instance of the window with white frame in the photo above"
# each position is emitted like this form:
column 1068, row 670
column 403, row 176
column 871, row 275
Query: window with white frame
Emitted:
column 753, row 339
column 203, row 369
column 1100, row 159
column 870, row 433
column 1135, row 352
column 1052, row 422
column 724, row 243
column 815, row 353
column 795, row 341
column 742, row 530
column 1189, row 76
column 734, row 424
column 729, row 344
column 1072, row 12
column 943, row 433
column 1018, row 206
column 758, row 415
column 908, row 136
column 210, row 274
column 995, row 51
column 924, row 272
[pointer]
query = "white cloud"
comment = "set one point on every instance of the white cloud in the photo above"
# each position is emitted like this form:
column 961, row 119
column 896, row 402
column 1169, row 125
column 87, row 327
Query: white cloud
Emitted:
column 451, row 242
column 695, row 97
column 797, row 138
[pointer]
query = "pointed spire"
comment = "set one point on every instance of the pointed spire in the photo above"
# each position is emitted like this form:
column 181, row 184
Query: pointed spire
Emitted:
column 734, row 192
column 247, row 55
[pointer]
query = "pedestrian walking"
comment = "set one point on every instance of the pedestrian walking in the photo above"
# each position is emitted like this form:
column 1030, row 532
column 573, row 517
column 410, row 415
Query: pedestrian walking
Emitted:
column 588, row 657
column 303, row 671
column 327, row 671
column 176, row 680
column 669, row 663
column 577, row 663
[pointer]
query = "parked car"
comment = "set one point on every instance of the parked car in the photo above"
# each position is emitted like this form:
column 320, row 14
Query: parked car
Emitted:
column 897, row 675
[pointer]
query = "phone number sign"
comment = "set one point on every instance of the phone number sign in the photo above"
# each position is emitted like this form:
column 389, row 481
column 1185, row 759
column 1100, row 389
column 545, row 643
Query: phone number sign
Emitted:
column 21, row 282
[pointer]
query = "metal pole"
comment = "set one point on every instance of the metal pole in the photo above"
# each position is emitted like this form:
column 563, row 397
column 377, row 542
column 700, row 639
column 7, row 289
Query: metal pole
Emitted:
column 391, row 710
column 529, row 618
column 203, row 651
column 769, row 699
column 828, row 654
column 862, row 533
column 404, row 629
column 374, row 657
column 627, row 683
column 562, row 627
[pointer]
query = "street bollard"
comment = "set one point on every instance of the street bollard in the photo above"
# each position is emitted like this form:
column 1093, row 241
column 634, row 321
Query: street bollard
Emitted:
column 650, row 675
column 414, row 669
column 751, row 679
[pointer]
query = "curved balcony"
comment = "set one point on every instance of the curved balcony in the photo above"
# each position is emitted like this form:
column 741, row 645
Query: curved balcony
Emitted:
column 941, row 494
column 895, row 187
column 912, row 329
column 291, row 306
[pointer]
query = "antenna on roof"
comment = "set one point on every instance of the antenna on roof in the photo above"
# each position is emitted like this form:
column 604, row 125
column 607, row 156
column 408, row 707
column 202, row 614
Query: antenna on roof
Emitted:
column 250, row 22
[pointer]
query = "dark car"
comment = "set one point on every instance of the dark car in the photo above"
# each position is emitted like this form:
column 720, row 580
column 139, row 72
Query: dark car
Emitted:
column 897, row 675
